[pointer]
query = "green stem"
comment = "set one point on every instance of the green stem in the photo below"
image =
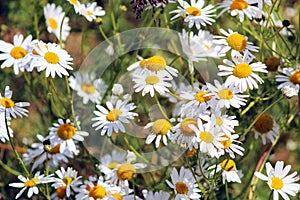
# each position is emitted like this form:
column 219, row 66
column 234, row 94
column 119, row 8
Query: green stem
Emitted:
column 226, row 189
column 160, row 107
column 46, row 174
column 10, row 170
column 35, row 21
column 134, row 151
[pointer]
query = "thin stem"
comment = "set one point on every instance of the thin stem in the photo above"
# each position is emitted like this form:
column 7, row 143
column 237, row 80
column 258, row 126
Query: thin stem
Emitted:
column 160, row 107
column 35, row 21
column 46, row 174
column 10, row 170
column 226, row 189
column 134, row 151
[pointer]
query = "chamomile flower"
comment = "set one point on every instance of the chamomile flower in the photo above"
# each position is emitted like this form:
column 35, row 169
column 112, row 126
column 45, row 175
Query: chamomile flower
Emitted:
column 231, row 145
column 150, row 82
column 279, row 181
column 234, row 41
column 75, row 4
column 13, row 54
column 53, row 59
column 111, row 120
column 3, row 131
column 229, row 171
column 160, row 130
column 209, row 140
column 88, row 87
column 195, row 13
column 54, row 16
column 66, row 134
column 11, row 108
column 66, row 182
column 288, row 91
column 31, row 184
column 154, row 64
column 290, row 77
column 266, row 128
column 91, row 11
column 238, row 7
column 149, row 195
column 240, row 72
column 183, row 184
column 226, row 96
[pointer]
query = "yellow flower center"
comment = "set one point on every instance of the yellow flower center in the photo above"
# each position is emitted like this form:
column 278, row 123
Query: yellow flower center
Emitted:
column 113, row 115
column 184, row 126
column 126, row 171
column 74, row 2
column 181, row 188
column 237, row 42
column 97, row 192
column 228, row 165
column 151, row 80
column 154, row 63
column 191, row 152
column 55, row 150
column 7, row 103
column 117, row 196
column 66, row 131
column 225, row 94
column 88, row 88
column 242, row 70
column 226, row 143
column 68, row 180
column 30, row 183
column 276, row 183
column 161, row 127
column 264, row 124
column 89, row 13
column 193, row 11
column 200, row 96
column 219, row 121
column 207, row 46
column 61, row 192
column 51, row 57
column 295, row 77
column 113, row 165
column 238, row 5
column 18, row 52
column 207, row 137
column 52, row 23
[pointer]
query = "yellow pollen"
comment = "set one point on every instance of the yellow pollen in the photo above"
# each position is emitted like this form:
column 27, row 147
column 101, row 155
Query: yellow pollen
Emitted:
column 228, row 165
column 219, row 121
column 55, row 150
column 51, row 57
column 88, row 88
column 126, row 171
column 242, row 70
column 52, row 23
column 193, row 11
column 276, row 183
column 89, row 13
column 123, row 8
column 184, row 126
column 295, row 77
column 7, row 103
column 97, row 192
column 18, row 52
column 61, row 192
column 30, row 183
column 181, row 188
column 207, row 137
column 113, row 115
column 225, row 94
column 66, row 131
column 226, row 143
column 238, row 5
column 151, row 80
column 200, row 96
column 237, row 42
column 154, row 63
column 117, row 196
column 161, row 127
column 68, row 180
column 264, row 124
column 113, row 165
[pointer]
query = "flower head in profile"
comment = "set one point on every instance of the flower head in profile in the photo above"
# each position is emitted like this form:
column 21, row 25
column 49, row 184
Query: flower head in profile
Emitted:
column 160, row 129
column 229, row 171
column 91, row 11
column 290, row 77
column 279, row 181
column 75, row 4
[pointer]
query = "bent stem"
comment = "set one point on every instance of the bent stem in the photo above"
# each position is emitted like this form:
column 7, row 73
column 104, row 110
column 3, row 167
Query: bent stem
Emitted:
column 160, row 108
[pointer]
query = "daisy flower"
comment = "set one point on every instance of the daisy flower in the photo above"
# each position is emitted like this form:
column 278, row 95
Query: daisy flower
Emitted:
column 75, row 4
column 238, row 7
column 266, row 127
column 88, row 87
column 13, row 54
column 54, row 16
column 229, row 171
column 279, row 181
column 149, row 195
column 290, row 77
column 226, row 96
column 111, row 120
column 149, row 82
column 209, row 140
column 91, row 11
column 53, row 59
column 11, row 108
column 31, row 184
column 66, row 182
column 231, row 145
column 160, row 129
column 288, row 91
column 234, row 41
column 3, row 131
column 195, row 13
column 183, row 184
column 66, row 134
column 240, row 72
column 154, row 64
